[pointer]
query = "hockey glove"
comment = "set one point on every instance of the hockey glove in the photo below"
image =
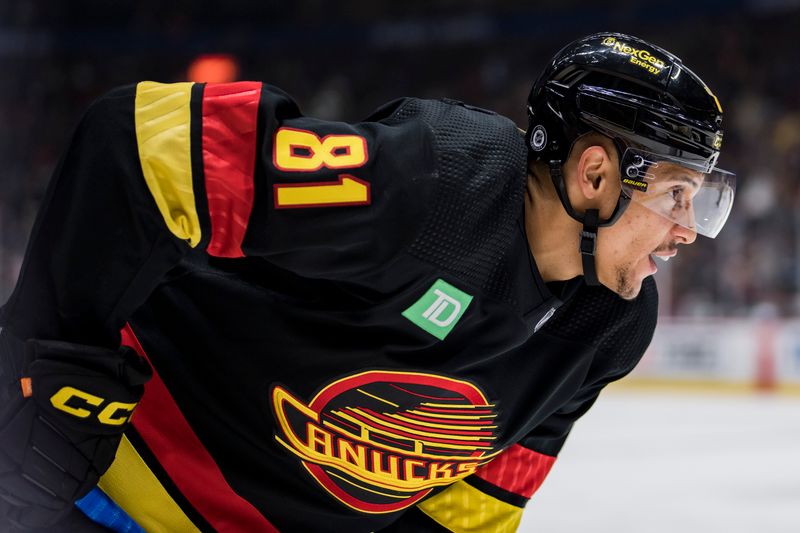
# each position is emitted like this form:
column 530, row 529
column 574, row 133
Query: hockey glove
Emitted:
column 63, row 409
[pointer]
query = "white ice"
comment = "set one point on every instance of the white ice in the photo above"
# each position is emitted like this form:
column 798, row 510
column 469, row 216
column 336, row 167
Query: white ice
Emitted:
column 642, row 462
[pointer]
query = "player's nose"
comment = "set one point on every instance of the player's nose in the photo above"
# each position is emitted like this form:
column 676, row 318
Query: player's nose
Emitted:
column 683, row 234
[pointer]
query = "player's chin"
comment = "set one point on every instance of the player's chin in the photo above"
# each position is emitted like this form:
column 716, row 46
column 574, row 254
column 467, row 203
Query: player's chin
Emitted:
column 630, row 291
column 628, row 281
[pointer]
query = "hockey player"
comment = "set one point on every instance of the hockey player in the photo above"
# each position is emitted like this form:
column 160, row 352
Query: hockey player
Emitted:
column 238, row 318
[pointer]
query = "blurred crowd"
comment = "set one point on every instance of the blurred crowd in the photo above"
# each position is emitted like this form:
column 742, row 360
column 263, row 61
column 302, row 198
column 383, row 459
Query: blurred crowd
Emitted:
column 341, row 60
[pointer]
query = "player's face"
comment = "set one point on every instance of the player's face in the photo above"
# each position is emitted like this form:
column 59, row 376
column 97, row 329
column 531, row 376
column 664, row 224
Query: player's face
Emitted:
column 654, row 224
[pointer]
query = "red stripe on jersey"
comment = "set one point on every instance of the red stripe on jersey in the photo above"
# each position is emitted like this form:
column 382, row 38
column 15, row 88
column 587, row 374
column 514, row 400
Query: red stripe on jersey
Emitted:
column 230, row 115
column 518, row 470
column 166, row 432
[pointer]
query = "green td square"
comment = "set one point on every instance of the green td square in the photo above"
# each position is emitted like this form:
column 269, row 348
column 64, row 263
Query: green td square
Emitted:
column 439, row 309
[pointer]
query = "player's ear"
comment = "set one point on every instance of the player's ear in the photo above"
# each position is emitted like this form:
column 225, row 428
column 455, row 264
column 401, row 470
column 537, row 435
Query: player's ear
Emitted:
column 597, row 179
column 593, row 168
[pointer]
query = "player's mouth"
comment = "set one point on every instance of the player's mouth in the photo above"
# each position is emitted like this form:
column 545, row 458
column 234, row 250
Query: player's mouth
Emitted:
column 664, row 255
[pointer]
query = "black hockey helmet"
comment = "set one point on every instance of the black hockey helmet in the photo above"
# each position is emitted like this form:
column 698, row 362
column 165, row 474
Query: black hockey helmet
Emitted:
column 657, row 111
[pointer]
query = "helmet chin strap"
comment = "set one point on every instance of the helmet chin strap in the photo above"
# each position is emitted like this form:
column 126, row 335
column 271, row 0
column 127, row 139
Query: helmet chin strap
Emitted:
column 590, row 220
column 589, row 245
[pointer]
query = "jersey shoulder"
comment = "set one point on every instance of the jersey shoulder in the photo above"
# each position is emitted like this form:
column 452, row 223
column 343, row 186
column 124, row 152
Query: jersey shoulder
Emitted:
column 468, row 138
column 476, row 191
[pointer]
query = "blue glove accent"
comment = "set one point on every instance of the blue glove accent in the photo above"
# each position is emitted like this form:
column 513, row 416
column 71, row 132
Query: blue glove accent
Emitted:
column 102, row 509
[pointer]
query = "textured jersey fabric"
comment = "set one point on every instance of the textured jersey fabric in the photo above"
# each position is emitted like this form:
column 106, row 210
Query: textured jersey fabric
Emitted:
column 341, row 318
column 477, row 194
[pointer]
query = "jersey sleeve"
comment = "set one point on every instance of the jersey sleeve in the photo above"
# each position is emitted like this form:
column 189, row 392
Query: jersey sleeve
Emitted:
column 157, row 171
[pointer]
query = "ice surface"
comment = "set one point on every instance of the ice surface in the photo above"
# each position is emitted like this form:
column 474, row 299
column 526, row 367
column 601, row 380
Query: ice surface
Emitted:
column 658, row 463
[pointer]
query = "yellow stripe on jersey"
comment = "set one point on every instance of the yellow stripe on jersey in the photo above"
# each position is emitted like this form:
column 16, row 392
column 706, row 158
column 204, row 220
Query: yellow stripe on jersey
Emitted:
column 134, row 487
column 163, row 133
column 464, row 509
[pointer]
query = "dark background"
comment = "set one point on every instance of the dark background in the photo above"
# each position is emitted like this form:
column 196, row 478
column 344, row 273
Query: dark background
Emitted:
column 340, row 60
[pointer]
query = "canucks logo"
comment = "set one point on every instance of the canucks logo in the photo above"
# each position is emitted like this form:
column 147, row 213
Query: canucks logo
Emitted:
column 380, row 441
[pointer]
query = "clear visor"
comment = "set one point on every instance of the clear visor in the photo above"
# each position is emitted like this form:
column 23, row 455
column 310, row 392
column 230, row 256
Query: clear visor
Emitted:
column 685, row 193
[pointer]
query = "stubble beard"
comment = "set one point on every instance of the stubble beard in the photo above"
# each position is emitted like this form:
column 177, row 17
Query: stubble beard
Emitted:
column 625, row 287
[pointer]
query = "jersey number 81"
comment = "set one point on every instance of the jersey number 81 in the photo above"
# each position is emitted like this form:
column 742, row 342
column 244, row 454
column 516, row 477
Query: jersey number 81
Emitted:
column 297, row 150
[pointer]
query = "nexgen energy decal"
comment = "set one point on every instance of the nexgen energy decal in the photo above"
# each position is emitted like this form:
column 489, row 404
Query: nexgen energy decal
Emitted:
column 379, row 441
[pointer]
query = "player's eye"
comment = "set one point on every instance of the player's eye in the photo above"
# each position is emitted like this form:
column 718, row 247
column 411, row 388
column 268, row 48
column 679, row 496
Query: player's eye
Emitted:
column 680, row 197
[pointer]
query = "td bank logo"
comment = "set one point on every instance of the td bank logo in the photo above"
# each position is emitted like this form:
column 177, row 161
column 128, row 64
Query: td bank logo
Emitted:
column 439, row 309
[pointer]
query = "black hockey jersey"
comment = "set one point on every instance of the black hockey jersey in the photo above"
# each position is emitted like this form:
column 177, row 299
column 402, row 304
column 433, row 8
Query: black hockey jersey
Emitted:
column 344, row 320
